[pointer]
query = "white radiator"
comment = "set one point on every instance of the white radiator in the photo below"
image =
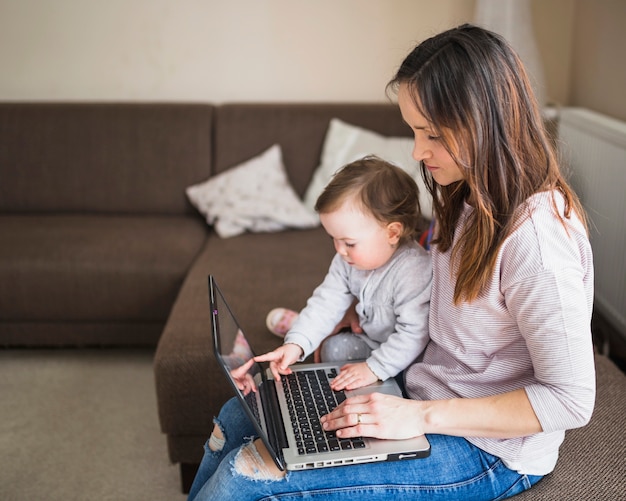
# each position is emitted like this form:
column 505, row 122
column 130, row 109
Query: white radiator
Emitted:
column 593, row 148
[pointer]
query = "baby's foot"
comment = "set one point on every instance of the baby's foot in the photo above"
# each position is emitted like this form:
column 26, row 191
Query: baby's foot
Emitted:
column 280, row 320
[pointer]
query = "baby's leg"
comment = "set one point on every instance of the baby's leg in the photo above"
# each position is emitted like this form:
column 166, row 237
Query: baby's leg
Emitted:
column 344, row 346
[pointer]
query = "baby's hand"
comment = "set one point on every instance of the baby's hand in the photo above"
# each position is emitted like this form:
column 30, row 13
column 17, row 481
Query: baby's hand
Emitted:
column 281, row 358
column 353, row 376
column 245, row 381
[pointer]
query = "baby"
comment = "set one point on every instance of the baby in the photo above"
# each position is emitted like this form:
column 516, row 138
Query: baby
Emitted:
column 371, row 211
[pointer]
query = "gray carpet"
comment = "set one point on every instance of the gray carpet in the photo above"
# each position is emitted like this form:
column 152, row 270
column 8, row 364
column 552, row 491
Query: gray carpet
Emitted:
column 82, row 424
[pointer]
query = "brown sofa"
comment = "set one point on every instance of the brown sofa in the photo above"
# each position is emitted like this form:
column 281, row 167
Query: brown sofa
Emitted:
column 100, row 246
column 256, row 271
column 96, row 231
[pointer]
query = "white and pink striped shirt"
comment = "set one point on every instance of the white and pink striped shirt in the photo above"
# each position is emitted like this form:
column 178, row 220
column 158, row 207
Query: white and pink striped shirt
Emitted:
column 530, row 328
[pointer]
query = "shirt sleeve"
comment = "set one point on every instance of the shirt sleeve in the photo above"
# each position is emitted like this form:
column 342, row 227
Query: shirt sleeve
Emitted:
column 553, row 311
column 324, row 309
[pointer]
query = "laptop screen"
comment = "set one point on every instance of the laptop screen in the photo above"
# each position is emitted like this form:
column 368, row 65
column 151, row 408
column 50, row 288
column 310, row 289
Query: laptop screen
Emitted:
column 233, row 350
column 231, row 343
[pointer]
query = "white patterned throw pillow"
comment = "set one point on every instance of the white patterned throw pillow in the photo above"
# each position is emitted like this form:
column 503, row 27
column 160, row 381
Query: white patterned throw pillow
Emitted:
column 345, row 143
column 254, row 196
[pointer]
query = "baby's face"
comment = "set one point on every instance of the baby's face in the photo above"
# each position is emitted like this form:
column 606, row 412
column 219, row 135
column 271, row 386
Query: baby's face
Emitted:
column 360, row 239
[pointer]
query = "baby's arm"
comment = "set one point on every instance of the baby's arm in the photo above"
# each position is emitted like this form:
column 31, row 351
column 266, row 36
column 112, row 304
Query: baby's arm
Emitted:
column 324, row 309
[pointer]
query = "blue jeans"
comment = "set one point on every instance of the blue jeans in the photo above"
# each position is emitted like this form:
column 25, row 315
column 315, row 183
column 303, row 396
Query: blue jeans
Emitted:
column 455, row 469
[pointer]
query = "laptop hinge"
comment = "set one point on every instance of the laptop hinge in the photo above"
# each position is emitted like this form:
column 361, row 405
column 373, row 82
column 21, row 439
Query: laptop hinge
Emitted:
column 274, row 424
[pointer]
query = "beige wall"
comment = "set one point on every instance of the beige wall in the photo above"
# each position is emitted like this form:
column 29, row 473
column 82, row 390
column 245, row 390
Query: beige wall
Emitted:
column 553, row 22
column 211, row 50
column 231, row 50
column 598, row 73
column 279, row 50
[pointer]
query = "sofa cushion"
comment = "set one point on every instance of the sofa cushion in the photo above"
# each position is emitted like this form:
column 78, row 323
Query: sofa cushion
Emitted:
column 100, row 333
column 63, row 268
column 102, row 157
column 345, row 143
column 254, row 195
column 244, row 130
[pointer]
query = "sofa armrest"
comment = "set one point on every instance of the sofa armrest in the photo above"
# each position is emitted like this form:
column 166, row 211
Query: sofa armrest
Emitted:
column 591, row 460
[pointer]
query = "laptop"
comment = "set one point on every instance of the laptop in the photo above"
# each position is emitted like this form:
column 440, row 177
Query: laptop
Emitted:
column 281, row 411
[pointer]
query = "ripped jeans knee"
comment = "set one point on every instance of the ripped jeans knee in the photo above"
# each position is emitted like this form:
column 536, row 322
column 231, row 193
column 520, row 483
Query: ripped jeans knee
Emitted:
column 217, row 439
column 249, row 461
column 256, row 464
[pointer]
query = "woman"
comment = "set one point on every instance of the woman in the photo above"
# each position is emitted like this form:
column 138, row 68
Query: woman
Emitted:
column 510, row 363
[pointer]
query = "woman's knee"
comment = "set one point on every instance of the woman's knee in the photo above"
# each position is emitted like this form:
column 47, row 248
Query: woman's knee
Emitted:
column 254, row 461
column 217, row 439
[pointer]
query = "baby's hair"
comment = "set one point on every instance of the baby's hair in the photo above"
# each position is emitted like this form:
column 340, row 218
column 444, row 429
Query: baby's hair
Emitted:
column 383, row 190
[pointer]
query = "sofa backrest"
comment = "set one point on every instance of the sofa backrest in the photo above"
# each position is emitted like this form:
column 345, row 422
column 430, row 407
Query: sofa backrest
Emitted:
column 103, row 157
column 242, row 131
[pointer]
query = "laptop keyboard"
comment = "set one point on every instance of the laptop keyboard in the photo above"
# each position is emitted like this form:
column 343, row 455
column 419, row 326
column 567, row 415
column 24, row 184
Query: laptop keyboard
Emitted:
column 309, row 397
column 252, row 403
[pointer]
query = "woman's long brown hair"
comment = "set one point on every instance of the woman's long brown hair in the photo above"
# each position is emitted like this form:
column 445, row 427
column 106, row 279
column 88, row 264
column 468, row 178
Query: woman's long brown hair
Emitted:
column 473, row 89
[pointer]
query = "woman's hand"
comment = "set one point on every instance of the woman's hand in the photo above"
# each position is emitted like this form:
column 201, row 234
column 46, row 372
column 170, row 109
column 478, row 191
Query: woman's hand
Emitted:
column 281, row 358
column 376, row 415
column 353, row 376
column 506, row 415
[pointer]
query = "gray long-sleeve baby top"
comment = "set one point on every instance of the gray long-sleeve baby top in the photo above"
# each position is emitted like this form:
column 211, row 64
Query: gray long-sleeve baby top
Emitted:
column 393, row 304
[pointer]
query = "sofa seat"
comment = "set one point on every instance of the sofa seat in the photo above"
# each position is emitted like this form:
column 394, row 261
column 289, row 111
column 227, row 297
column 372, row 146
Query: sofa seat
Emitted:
column 256, row 272
column 73, row 278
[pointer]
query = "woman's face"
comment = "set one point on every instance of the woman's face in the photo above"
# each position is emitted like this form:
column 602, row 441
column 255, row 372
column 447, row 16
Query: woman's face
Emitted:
column 428, row 147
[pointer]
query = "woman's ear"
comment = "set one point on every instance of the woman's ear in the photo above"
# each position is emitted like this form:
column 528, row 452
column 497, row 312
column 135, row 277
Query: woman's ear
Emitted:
column 394, row 233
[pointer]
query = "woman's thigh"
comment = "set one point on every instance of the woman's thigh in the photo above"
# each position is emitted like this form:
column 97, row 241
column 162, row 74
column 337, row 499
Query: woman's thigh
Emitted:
column 454, row 470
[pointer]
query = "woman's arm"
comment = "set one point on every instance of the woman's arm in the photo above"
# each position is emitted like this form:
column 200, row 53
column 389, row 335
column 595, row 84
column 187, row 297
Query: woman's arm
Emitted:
column 385, row 416
column 500, row 416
